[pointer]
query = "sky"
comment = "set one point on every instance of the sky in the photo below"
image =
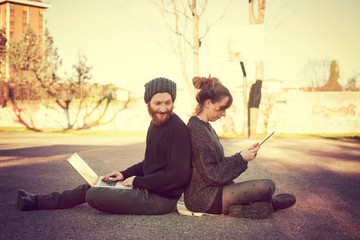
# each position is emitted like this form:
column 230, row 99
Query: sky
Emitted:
column 127, row 44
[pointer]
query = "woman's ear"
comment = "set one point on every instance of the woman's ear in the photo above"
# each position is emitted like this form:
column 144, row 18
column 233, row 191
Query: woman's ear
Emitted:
column 207, row 103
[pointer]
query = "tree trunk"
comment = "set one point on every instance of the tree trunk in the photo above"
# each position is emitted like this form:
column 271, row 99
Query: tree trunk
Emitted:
column 261, row 12
column 196, row 42
column 259, row 65
column 188, row 83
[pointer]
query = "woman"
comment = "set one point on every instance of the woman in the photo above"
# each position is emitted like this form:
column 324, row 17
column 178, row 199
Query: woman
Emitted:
column 212, row 189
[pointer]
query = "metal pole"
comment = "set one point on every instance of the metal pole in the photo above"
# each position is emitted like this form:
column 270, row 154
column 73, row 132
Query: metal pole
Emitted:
column 245, row 106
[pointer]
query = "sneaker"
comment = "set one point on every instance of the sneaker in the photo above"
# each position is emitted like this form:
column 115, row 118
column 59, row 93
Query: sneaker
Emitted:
column 25, row 201
column 282, row 201
column 257, row 210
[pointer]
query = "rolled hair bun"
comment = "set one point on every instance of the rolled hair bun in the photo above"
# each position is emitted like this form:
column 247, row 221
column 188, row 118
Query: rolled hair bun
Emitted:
column 201, row 82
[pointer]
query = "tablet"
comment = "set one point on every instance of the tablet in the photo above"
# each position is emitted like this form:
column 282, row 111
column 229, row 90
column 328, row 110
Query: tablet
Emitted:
column 267, row 137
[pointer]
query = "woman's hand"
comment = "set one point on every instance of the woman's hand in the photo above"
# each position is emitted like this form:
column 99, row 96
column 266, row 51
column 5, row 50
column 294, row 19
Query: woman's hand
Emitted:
column 117, row 176
column 249, row 154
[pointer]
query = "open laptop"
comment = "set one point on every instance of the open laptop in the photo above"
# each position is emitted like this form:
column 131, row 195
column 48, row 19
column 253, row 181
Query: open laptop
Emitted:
column 90, row 176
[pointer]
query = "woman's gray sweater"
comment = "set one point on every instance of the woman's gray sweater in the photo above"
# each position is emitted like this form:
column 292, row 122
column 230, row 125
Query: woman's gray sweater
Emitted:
column 211, row 169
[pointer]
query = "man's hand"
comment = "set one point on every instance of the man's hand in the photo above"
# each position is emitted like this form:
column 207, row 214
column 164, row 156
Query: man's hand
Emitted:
column 116, row 176
column 249, row 154
column 129, row 181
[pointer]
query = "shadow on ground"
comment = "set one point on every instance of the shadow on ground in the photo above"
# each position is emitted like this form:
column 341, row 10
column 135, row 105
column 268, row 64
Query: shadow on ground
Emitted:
column 323, row 174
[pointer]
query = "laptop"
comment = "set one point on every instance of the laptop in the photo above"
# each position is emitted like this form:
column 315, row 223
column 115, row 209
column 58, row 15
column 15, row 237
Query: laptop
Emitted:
column 90, row 176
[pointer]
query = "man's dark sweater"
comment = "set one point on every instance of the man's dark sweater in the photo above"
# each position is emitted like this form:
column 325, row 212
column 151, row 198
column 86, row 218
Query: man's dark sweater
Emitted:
column 166, row 168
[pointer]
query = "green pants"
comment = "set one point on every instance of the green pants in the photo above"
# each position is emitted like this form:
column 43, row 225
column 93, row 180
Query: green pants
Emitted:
column 129, row 201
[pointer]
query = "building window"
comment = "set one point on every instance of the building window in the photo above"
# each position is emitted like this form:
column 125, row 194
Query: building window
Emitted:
column 24, row 17
column 12, row 20
column 41, row 23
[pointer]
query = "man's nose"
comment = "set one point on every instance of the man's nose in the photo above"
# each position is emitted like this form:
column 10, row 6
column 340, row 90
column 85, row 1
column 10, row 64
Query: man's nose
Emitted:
column 162, row 108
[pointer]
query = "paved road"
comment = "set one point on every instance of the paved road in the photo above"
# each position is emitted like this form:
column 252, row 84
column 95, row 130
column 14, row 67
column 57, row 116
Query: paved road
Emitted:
column 323, row 174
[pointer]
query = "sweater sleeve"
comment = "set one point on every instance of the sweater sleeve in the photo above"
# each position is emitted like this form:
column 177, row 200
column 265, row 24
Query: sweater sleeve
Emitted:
column 177, row 172
column 209, row 157
column 135, row 170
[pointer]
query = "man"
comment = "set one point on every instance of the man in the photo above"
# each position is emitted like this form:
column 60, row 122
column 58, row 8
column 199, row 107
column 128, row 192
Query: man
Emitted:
column 158, row 181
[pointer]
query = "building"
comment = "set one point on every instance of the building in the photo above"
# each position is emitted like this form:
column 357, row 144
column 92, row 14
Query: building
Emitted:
column 15, row 15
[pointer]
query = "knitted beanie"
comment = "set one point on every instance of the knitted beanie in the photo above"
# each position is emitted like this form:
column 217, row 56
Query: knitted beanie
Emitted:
column 159, row 85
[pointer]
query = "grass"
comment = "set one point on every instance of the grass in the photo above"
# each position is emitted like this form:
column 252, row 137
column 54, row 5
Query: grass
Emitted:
column 225, row 135
column 339, row 136
column 84, row 132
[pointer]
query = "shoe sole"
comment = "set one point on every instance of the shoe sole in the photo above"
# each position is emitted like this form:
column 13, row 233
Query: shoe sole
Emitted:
column 283, row 201
column 20, row 201
column 257, row 210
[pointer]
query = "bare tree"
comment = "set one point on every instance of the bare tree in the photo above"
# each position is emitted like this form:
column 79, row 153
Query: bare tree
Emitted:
column 102, row 106
column 255, row 91
column 4, row 85
column 29, row 62
column 183, row 21
column 352, row 83
column 178, row 26
column 82, row 71
column 257, row 19
column 277, row 13
column 3, row 42
column 33, row 65
column 315, row 73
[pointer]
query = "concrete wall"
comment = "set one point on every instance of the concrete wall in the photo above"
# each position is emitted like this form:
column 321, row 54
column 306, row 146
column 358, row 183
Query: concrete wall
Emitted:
column 310, row 112
column 287, row 112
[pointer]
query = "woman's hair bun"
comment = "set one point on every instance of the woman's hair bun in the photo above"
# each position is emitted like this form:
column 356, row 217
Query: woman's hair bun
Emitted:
column 201, row 82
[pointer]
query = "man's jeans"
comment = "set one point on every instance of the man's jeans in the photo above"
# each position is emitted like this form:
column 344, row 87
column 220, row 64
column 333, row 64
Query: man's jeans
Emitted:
column 124, row 201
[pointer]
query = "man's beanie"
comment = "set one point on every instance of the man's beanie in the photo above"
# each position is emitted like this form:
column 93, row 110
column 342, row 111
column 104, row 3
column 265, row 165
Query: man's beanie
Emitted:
column 159, row 85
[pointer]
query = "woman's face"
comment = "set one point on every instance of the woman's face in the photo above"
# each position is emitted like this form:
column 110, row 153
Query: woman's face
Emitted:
column 215, row 111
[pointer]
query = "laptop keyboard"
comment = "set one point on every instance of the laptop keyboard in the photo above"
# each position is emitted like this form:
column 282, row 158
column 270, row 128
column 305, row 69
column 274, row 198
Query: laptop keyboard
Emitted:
column 108, row 183
column 111, row 183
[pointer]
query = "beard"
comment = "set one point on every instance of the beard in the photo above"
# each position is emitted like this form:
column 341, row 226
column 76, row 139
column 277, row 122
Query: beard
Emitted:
column 159, row 118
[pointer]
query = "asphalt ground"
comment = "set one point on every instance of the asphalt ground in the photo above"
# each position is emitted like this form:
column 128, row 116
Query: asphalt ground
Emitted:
column 324, row 175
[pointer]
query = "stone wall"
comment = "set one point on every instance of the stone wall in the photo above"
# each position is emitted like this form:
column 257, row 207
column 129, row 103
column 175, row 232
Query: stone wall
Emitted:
column 286, row 112
column 310, row 112
column 299, row 112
